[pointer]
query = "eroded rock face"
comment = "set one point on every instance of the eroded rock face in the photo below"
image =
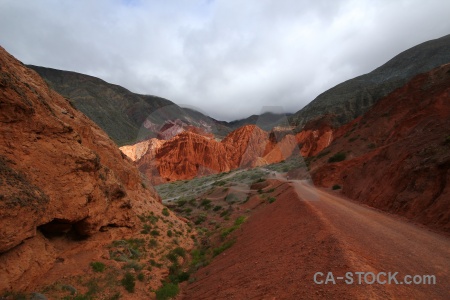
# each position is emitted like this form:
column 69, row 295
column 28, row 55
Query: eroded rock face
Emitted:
column 148, row 148
column 186, row 156
column 245, row 145
column 398, row 153
column 195, row 153
column 59, row 173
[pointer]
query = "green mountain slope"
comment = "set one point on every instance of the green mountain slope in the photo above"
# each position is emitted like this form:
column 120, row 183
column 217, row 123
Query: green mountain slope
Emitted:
column 354, row 97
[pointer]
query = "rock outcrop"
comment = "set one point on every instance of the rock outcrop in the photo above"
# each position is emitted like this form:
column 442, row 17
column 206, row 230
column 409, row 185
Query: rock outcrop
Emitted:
column 244, row 146
column 147, row 148
column 62, row 179
column 191, row 154
column 396, row 157
column 186, row 156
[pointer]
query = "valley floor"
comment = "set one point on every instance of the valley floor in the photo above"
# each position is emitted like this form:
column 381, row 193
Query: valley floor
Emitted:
column 307, row 230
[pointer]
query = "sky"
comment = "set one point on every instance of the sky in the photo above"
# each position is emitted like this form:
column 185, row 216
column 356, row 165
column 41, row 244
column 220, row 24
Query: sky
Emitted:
column 226, row 58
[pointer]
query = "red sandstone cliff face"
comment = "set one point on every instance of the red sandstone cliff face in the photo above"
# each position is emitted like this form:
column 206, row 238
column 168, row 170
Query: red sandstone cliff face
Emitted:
column 398, row 154
column 185, row 156
column 60, row 176
column 245, row 145
column 193, row 153
column 316, row 136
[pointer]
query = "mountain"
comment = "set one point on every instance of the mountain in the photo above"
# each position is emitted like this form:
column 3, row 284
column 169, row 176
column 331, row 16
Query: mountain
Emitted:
column 67, row 196
column 192, row 154
column 125, row 116
column 396, row 157
column 266, row 121
column 354, row 97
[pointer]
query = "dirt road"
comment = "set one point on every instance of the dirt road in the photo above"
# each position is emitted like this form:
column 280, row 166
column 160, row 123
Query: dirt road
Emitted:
column 283, row 245
column 377, row 242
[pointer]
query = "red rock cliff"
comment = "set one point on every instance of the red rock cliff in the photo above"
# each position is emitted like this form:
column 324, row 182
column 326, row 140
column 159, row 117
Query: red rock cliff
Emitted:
column 60, row 175
column 398, row 153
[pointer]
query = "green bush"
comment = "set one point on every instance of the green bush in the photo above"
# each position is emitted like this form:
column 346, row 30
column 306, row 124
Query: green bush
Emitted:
column 98, row 266
column 181, row 203
column 219, row 183
column 167, row 291
column 141, row 277
column 223, row 247
column 336, row 187
column 272, row 200
column 217, row 208
column 165, row 212
column 153, row 243
column 129, row 282
column 169, row 233
column 205, row 202
column 200, row 219
column 340, row 156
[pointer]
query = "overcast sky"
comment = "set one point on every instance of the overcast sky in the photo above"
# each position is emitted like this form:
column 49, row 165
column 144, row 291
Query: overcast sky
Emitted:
column 227, row 58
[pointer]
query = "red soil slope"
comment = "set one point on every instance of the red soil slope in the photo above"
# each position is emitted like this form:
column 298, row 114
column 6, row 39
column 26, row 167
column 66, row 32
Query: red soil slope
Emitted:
column 398, row 154
column 306, row 230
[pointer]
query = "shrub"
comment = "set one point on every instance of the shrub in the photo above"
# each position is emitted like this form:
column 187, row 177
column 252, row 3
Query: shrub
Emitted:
column 183, row 276
column 223, row 247
column 272, row 200
column 165, row 212
column 340, row 156
column 98, row 266
column 240, row 220
column 146, row 229
column 167, row 291
column 128, row 282
column 200, row 219
column 224, row 213
column 217, row 208
column 181, row 203
column 179, row 251
column 169, row 233
column 141, row 277
column 205, row 202
column 154, row 232
column 336, row 187
column 153, row 243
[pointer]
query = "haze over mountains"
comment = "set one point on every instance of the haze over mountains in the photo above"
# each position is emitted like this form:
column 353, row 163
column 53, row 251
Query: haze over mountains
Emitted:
column 128, row 117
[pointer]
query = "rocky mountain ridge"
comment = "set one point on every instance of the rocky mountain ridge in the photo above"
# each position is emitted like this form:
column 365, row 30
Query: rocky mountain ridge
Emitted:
column 350, row 99
column 125, row 116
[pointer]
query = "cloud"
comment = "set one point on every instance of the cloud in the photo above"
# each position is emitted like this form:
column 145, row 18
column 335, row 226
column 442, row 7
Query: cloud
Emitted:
column 230, row 58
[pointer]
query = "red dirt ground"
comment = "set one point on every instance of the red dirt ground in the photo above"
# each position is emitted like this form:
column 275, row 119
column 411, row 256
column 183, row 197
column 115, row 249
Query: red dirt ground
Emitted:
column 282, row 245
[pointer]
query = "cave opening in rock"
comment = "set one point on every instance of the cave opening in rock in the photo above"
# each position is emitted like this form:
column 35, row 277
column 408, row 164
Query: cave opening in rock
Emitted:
column 61, row 228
